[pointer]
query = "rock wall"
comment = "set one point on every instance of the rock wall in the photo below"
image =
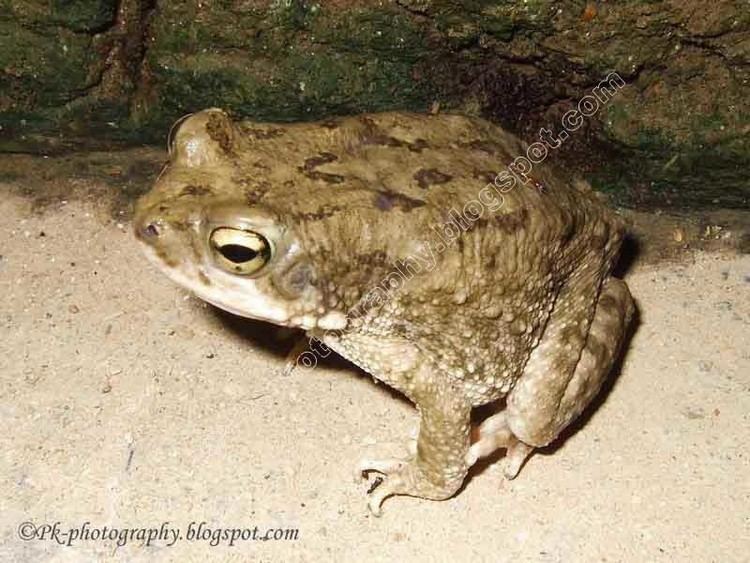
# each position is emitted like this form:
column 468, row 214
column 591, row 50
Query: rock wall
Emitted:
column 94, row 73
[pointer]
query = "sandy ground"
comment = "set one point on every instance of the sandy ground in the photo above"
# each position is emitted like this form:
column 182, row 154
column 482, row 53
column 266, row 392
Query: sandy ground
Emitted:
column 127, row 403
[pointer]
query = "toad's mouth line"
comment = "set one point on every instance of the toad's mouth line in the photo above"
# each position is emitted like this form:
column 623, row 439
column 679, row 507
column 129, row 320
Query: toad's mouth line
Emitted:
column 253, row 301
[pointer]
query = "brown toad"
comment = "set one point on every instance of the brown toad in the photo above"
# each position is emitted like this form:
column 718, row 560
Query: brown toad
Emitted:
column 392, row 239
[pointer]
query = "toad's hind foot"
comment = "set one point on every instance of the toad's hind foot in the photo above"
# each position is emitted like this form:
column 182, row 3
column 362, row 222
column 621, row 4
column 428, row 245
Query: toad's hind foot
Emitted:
column 403, row 477
column 384, row 457
column 495, row 434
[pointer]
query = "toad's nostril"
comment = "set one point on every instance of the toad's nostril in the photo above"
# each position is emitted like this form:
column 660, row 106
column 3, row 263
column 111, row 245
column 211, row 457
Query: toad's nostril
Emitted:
column 151, row 230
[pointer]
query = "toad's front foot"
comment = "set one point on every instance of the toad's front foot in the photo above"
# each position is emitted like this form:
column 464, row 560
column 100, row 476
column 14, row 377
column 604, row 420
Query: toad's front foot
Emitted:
column 405, row 477
column 437, row 467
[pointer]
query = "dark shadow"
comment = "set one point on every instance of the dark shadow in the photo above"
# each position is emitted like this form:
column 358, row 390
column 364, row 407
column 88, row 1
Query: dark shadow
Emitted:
column 260, row 335
column 279, row 341
column 629, row 251
column 478, row 415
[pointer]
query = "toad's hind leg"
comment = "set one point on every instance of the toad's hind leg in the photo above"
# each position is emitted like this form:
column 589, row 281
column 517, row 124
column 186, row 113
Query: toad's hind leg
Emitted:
column 560, row 379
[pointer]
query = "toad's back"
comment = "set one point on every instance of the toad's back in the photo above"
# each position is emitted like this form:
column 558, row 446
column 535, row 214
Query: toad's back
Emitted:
column 490, row 244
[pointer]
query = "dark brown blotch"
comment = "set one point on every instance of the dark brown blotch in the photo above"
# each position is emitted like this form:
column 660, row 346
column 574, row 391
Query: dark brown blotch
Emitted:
column 484, row 175
column 310, row 165
column 385, row 200
column 315, row 161
column 255, row 190
column 261, row 134
column 373, row 135
column 325, row 211
column 220, row 131
column 506, row 222
column 368, row 122
column 485, row 146
column 375, row 258
column 427, row 177
column 195, row 190
column 377, row 138
column 418, row 145
column 511, row 222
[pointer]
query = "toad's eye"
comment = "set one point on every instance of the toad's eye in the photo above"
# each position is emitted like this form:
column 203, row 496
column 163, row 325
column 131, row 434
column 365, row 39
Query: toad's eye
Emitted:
column 238, row 251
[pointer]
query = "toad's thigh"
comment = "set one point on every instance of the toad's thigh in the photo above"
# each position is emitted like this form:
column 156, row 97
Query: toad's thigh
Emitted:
column 570, row 364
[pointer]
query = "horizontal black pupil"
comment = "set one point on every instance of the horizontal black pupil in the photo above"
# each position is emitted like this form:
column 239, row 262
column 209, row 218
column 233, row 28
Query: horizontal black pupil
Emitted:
column 237, row 253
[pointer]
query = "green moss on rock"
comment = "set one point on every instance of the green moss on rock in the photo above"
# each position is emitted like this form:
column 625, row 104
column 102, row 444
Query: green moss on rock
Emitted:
column 677, row 134
column 84, row 15
column 295, row 61
column 76, row 15
column 42, row 69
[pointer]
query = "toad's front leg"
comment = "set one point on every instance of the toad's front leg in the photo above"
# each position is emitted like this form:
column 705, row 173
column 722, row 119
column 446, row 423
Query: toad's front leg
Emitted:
column 439, row 467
